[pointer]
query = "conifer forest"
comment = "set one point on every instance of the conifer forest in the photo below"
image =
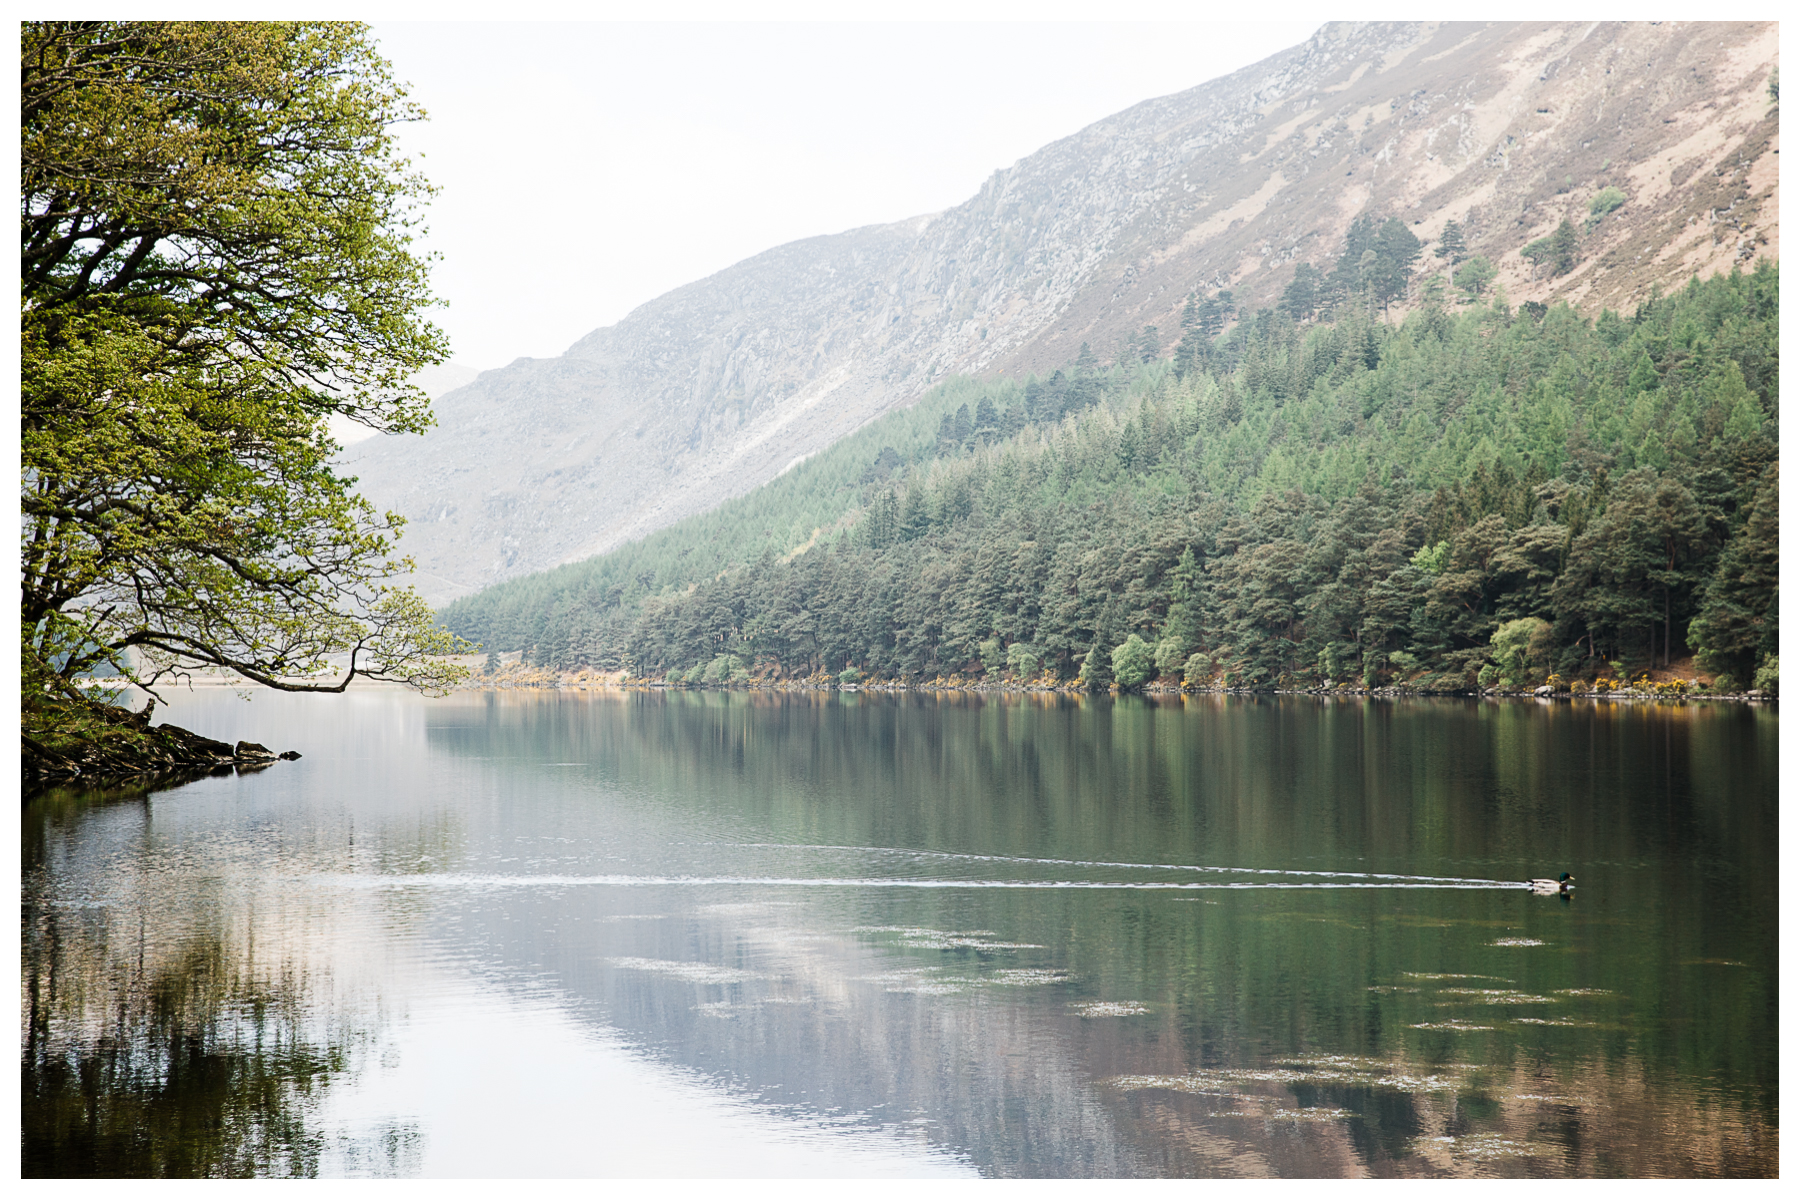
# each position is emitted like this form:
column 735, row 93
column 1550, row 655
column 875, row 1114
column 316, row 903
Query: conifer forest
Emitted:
column 1314, row 495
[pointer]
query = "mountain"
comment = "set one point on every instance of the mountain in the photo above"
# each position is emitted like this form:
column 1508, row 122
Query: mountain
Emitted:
column 719, row 386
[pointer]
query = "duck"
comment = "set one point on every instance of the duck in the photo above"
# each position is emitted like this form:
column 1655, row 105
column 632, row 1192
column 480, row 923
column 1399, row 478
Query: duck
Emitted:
column 1552, row 887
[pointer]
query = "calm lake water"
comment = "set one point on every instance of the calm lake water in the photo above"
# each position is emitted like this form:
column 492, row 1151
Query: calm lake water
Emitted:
column 627, row 933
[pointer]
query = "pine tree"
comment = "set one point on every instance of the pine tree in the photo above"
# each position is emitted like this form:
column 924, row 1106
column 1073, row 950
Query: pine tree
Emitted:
column 1300, row 300
column 1096, row 669
column 1189, row 351
column 1563, row 244
column 1396, row 250
column 1149, row 345
column 1451, row 244
column 1739, row 620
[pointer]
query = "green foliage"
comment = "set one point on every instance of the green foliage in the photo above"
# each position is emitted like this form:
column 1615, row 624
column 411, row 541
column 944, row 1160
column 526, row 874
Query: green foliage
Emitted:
column 1097, row 667
column 1171, row 656
column 1556, row 250
column 1353, row 499
column 201, row 287
column 993, row 657
column 1133, row 663
column 1196, row 671
column 1451, row 244
column 1521, row 648
column 1474, row 276
column 727, row 668
column 1605, row 200
column 1768, row 674
column 1375, row 266
column 1300, row 299
column 1737, row 621
column 1563, row 245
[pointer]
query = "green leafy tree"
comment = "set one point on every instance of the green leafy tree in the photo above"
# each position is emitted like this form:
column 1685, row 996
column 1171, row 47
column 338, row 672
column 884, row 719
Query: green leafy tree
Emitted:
column 1196, row 671
column 993, row 657
column 1537, row 252
column 216, row 258
column 1474, row 276
column 1133, row 662
column 1171, row 656
column 1521, row 648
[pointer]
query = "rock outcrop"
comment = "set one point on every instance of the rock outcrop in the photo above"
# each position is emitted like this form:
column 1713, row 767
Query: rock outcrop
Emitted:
column 718, row 386
column 102, row 745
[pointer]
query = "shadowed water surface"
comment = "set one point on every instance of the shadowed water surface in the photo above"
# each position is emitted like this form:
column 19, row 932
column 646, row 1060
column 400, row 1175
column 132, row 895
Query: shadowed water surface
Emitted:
column 617, row 933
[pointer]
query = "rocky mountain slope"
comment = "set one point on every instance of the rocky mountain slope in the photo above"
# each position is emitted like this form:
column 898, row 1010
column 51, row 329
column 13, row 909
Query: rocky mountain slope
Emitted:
column 716, row 387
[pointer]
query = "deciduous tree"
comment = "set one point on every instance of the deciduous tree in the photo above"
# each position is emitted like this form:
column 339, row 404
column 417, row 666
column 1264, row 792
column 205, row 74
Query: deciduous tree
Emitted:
column 215, row 258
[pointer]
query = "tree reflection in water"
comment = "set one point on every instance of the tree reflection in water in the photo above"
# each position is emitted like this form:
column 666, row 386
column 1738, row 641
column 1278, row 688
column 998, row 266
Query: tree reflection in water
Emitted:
column 188, row 1060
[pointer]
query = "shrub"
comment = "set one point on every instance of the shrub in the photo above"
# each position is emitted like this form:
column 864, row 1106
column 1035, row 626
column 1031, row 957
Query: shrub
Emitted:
column 722, row 668
column 1605, row 200
column 1768, row 675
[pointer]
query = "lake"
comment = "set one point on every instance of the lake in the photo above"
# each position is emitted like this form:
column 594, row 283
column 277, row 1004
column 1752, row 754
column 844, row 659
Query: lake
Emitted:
column 629, row 933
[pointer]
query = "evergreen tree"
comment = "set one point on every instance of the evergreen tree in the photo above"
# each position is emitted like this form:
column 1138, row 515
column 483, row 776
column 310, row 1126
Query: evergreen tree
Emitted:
column 1300, row 299
column 1149, row 345
column 1563, row 245
column 1346, row 280
column 1395, row 250
column 1738, row 623
column 1189, row 350
column 1450, row 243
column 1096, row 668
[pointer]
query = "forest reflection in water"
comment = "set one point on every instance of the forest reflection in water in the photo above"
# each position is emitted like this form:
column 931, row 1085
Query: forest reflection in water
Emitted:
column 1200, row 937
column 161, row 1042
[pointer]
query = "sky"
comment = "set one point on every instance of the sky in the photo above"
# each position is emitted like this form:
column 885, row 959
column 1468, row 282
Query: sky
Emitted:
column 587, row 168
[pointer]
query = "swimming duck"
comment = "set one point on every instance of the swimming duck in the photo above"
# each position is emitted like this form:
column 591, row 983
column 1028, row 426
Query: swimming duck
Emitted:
column 1551, row 887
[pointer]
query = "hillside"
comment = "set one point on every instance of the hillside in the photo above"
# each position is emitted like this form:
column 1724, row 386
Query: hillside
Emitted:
column 1490, row 495
column 719, row 386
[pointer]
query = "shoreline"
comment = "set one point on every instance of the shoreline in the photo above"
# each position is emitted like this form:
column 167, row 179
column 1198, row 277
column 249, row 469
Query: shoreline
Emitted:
column 616, row 682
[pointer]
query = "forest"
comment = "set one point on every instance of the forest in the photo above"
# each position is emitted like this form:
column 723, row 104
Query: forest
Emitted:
column 1476, row 494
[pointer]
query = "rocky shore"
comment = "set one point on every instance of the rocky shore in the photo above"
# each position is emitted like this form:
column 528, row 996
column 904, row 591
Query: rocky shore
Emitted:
column 102, row 745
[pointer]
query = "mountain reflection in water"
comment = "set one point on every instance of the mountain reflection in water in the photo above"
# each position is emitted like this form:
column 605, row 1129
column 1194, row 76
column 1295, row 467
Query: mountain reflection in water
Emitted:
column 1202, row 937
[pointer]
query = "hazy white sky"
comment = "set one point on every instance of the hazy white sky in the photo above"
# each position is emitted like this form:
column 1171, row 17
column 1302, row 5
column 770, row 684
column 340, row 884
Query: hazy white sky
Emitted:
column 587, row 168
